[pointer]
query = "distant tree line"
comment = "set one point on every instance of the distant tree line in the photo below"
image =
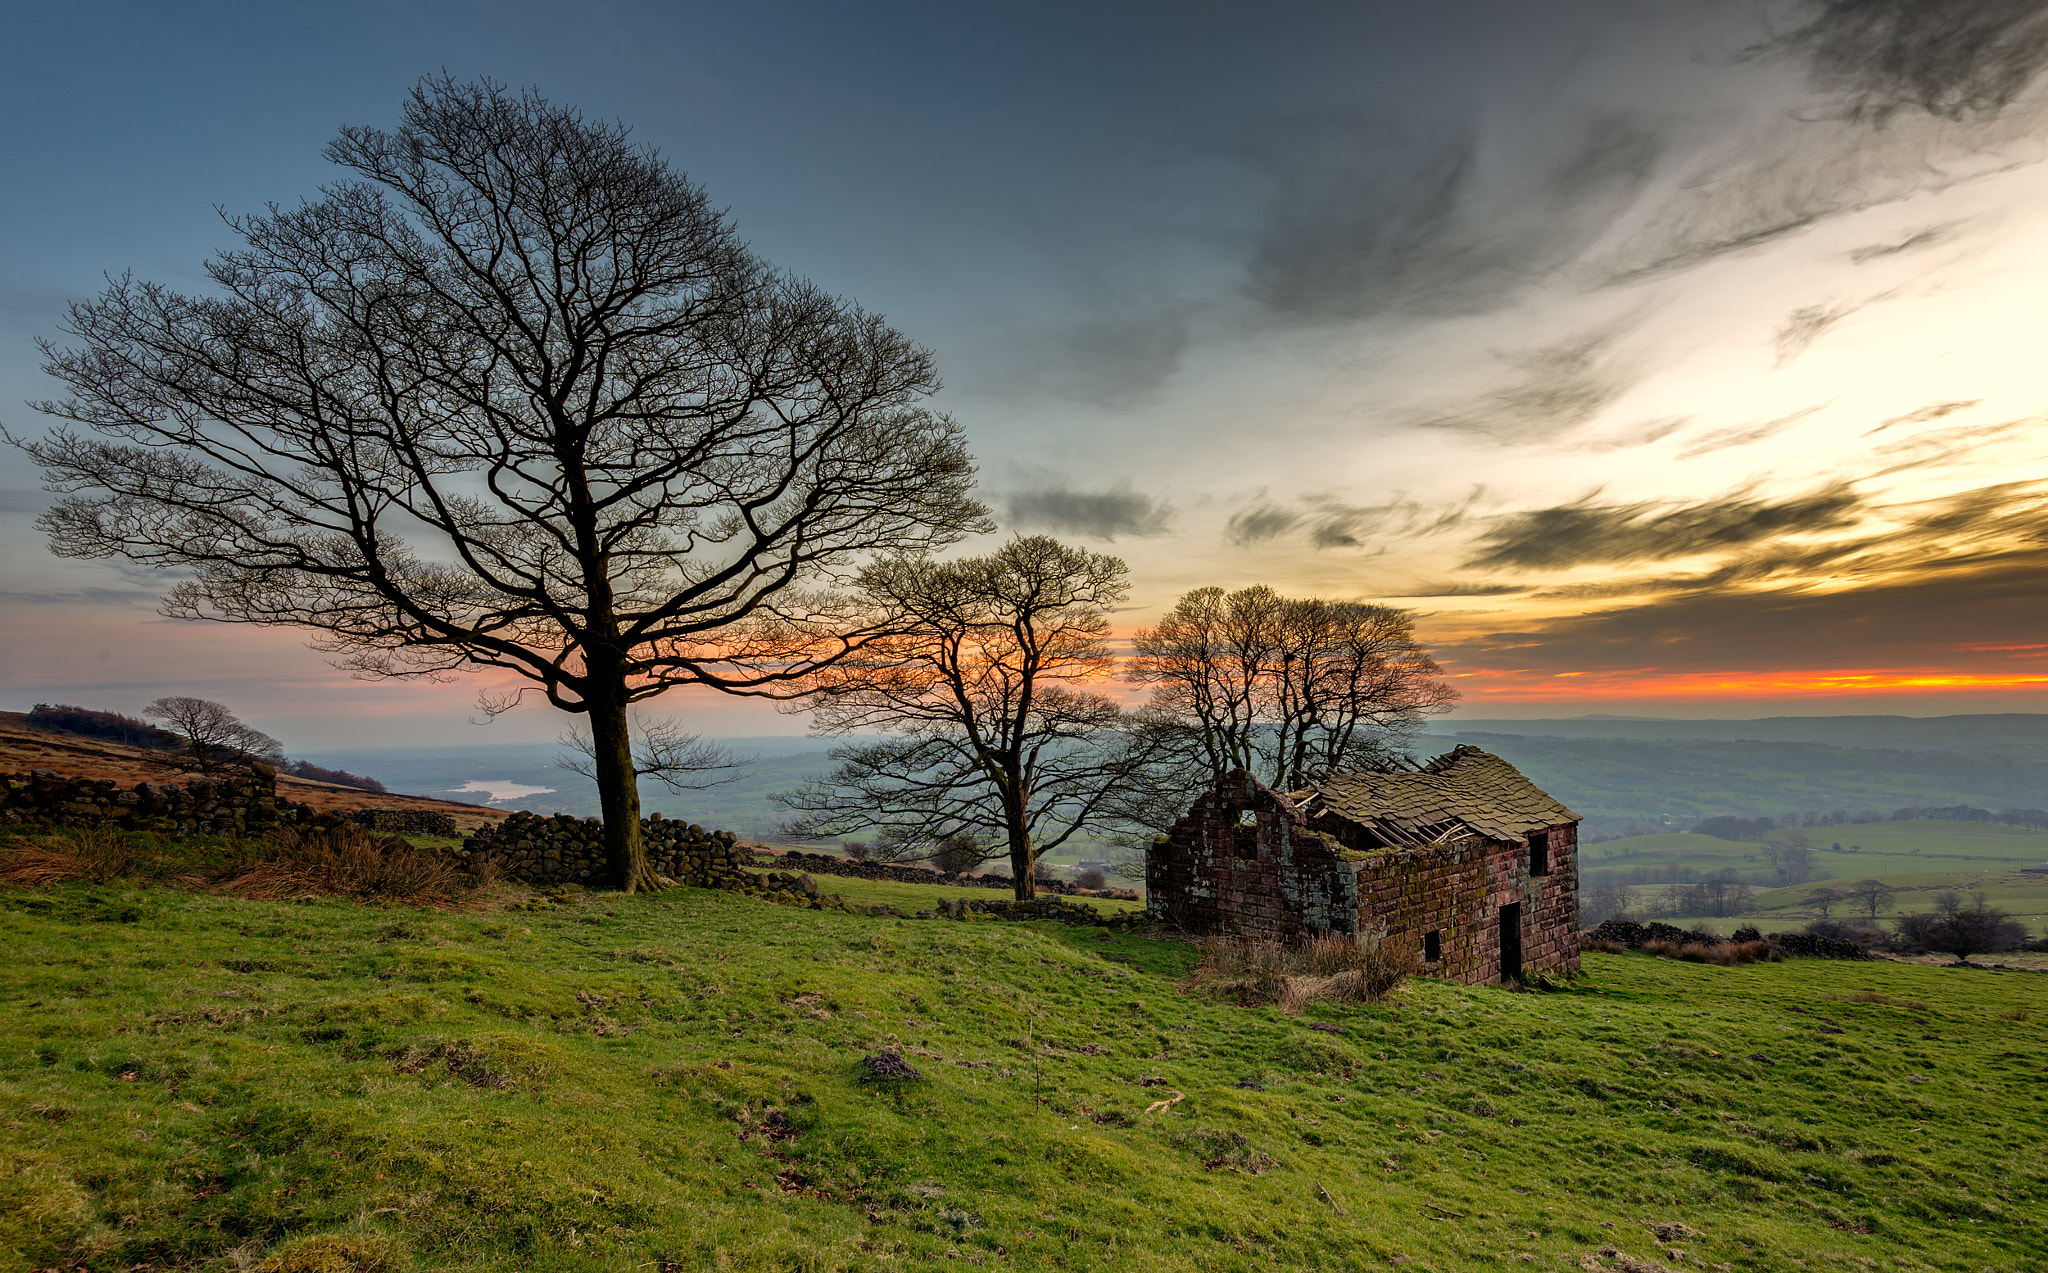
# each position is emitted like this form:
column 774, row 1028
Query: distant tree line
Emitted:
column 1732, row 827
column 111, row 726
column 338, row 777
column 2036, row 818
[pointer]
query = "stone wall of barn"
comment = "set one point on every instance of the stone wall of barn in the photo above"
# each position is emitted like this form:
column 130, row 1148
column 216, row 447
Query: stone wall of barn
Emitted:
column 1271, row 878
column 1456, row 890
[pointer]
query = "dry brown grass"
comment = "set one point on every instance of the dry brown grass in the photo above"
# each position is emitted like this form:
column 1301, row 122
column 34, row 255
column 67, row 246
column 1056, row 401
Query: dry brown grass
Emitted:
column 99, row 854
column 343, row 860
column 1295, row 974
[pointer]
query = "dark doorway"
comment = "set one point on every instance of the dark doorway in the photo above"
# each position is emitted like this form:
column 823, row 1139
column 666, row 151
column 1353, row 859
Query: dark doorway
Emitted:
column 1511, row 942
column 1432, row 947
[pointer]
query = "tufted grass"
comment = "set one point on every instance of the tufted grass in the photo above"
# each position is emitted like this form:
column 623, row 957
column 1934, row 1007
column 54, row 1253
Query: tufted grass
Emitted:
column 673, row 1082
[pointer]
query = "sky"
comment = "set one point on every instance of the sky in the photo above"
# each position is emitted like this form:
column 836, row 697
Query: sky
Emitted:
column 1679, row 358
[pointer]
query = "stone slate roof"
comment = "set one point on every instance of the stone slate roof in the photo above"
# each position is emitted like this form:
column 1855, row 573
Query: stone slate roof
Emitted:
column 1463, row 791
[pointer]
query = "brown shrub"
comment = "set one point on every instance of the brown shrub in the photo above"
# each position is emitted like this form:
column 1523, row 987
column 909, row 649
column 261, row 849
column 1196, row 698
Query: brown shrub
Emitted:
column 341, row 860
column 1295, row 974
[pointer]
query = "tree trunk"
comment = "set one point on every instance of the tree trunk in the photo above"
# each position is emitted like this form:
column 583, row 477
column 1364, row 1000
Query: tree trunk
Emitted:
column 618, row 794
column 1023, row 865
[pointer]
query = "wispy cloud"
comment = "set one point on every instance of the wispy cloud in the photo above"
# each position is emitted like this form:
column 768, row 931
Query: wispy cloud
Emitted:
column 1120, row 510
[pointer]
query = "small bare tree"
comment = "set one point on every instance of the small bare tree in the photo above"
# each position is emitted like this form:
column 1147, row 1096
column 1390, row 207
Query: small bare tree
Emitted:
column 514, row 396
column 988, row 736
column 1874, row 895
column 212, row 734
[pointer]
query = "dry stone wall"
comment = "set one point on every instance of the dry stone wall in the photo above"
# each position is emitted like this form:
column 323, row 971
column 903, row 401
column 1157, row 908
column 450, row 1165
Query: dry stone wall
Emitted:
column 565, row 850
column 237, row 803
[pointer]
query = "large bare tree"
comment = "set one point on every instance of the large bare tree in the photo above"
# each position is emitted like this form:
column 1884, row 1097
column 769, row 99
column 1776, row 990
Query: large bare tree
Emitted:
column 988, row 737
column 512, row 395
column 1287, row 689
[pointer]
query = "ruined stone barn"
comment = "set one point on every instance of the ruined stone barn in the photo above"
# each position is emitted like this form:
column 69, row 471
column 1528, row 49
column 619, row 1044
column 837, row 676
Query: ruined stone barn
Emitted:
column 1461, row 860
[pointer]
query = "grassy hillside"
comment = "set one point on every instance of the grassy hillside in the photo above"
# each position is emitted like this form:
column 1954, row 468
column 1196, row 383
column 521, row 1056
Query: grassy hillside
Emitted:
column 674, row 1083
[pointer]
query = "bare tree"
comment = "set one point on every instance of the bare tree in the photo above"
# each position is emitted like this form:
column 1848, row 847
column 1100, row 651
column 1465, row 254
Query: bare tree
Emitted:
column 988, row 736
column 212, row 734
column 513, row 396
column 1287, row 689
column 1873, row 894
column 1824, row 899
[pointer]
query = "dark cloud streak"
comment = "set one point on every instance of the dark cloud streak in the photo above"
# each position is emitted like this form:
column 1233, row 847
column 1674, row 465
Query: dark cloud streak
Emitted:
column 1104, row 514
column 1953, row 59
column 1587, row 533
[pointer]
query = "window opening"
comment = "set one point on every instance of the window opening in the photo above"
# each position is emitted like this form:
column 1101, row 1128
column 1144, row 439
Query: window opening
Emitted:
column 1246, row 833
column 1432, row 947
column 1539, row 853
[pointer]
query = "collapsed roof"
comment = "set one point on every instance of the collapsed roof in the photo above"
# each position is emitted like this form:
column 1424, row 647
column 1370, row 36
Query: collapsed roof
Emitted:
column 1463, row 792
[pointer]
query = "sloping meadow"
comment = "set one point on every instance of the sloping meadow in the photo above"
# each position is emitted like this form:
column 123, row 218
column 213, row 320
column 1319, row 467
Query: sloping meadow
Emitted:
column 678, row 1082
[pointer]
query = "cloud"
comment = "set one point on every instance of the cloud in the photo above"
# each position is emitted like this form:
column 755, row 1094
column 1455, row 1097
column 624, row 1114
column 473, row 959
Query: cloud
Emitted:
column 1260, row 523
column 1641, row 434
column 1586, row 533
column 1112, row 356
column 1744, row 435
column 125, row 597
column 1558, row 388
column 1924, row 414
column 1101, row 514
column 1475, row 589
column 1918, row 239
column 1804, row 326
column 1374, row 216
column 1935, row 616
column 1952, row 59
column 1328, row 522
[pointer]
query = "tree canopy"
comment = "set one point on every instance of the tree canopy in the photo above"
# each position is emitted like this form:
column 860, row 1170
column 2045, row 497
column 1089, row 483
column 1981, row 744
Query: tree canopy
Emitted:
column 512, row 396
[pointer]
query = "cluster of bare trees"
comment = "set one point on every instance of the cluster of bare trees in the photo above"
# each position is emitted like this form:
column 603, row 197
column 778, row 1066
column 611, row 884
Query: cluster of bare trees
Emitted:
column 514, row 396
column 993, row 745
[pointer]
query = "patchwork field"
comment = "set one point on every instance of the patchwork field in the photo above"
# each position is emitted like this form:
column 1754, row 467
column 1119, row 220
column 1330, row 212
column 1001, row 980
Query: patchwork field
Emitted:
column 675, row 1082
column 1920, row 860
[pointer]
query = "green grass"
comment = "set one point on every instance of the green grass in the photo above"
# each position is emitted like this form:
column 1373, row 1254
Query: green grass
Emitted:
column 660, row 1082
column 915, row 897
